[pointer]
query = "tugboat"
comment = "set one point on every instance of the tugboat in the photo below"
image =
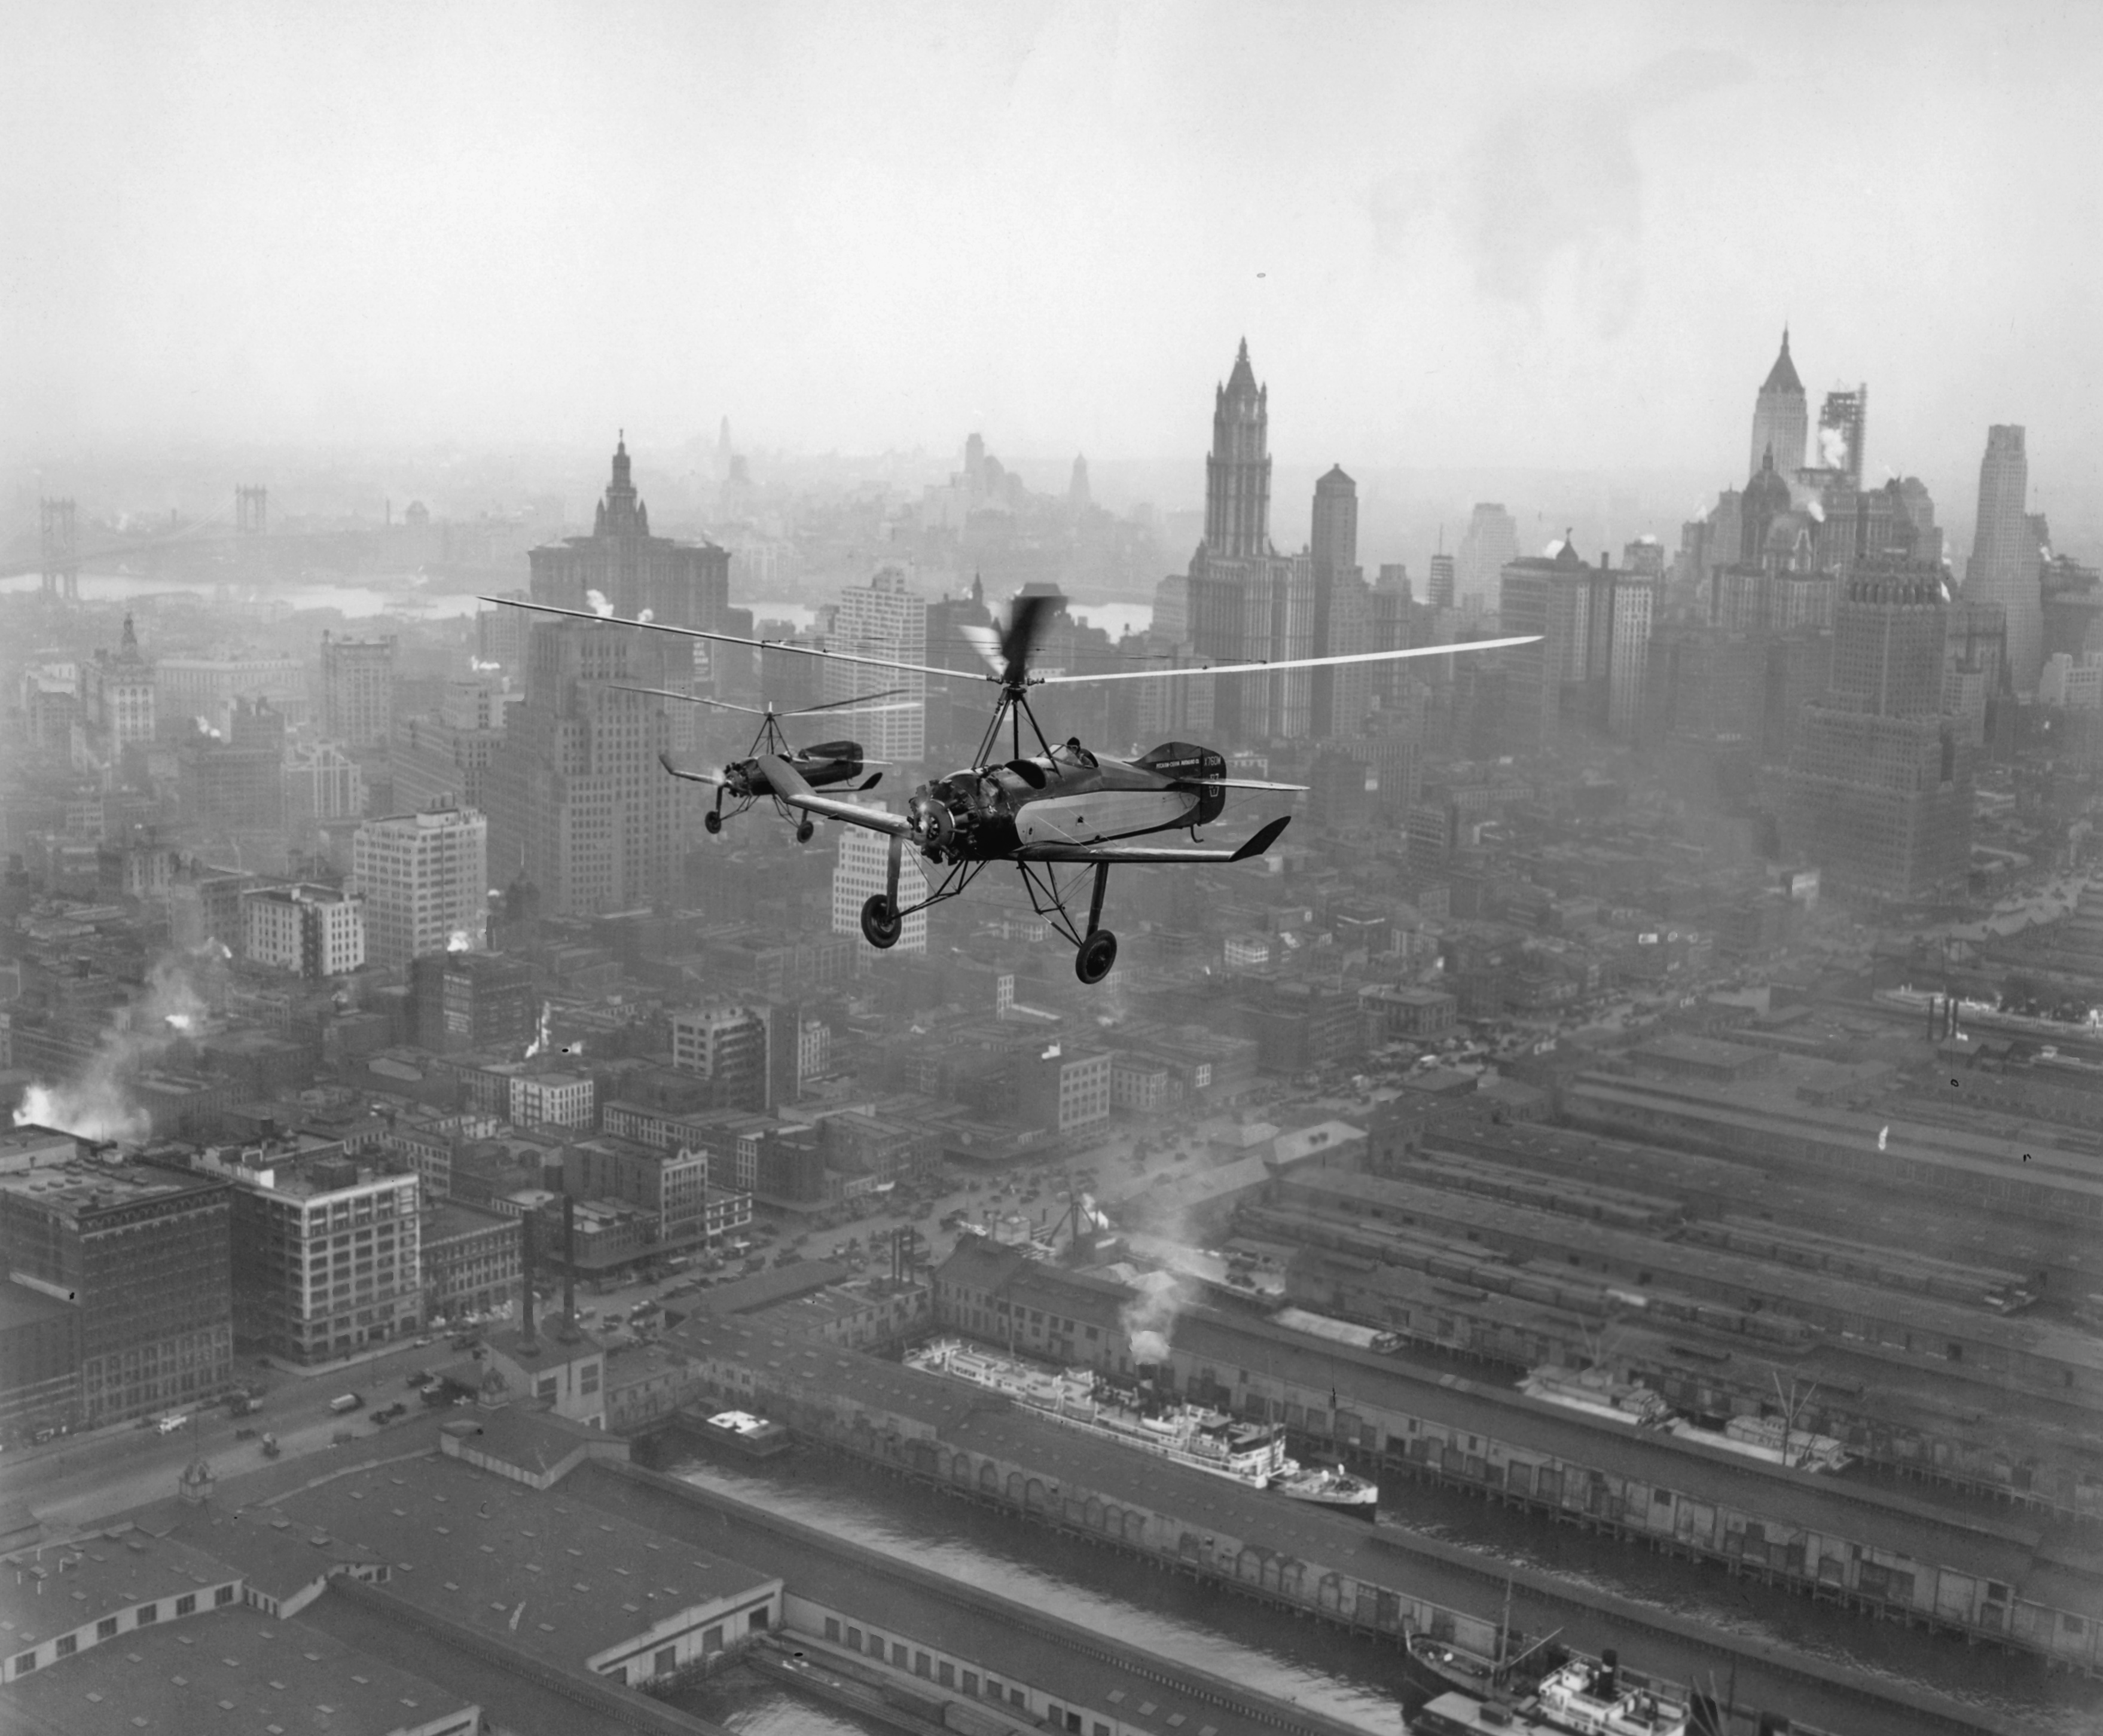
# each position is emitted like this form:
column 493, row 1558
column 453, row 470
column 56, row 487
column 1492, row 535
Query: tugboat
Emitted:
column 1337, row 1487
column 1590, row 1697
column 749, row 1435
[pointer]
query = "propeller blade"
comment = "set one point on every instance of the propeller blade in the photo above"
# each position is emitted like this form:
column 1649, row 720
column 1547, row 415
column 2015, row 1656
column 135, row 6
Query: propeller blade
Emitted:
column 1025, row 616
column 596, row 619
column 714, row 779
column 1293, row 663
column 984, row 640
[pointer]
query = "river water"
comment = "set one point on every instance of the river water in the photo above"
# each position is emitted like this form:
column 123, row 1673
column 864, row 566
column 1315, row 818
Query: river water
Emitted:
column 1324, row 1668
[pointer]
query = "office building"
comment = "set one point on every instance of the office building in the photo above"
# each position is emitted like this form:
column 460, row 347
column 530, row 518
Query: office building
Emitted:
column 1241, row 601
column 668, row 1184
column 860, row 873
column 884, row 619
column 471, row 1261
column 357, row 695
column 323, row 781
column 578, row 805
column 1781, row 416
column 2006, row 560
column 425, row 879
column 465, row 1001
column 1487, row 546
column 117, row 696
column 553, row 1099
column 733, row 1046
column 1590, row 668
column 1879, row 788
column 685, row 584
column 234, row 782
column 133, row 1258
column 326, row 1248
column 1438, row 587
column 1338, row 699
column 207, row 686
column 1843, row 429
column 311, row 931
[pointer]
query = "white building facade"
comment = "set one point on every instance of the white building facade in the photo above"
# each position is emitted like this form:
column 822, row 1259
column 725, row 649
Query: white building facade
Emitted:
column 425, row 879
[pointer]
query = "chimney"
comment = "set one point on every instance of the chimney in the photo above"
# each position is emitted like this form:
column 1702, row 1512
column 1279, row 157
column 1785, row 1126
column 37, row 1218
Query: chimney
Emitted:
column 526, row 1268
column 570, row 1263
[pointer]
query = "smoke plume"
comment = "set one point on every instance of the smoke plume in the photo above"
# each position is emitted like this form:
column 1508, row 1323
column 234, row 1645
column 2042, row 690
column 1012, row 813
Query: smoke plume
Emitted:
column 1149, row 1317
column 100, row 1104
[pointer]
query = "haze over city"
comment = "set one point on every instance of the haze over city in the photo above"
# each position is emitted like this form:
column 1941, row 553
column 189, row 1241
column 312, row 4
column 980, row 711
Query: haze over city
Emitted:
column 1512, row 236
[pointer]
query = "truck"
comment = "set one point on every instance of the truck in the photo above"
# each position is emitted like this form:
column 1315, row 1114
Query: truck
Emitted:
column 349, row 1401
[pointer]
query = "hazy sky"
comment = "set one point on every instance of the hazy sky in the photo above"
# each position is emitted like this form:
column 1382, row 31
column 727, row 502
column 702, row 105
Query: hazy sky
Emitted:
column 1562, row 236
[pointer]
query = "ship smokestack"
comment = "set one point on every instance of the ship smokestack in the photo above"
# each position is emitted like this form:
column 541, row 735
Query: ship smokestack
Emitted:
column 1609, row 1672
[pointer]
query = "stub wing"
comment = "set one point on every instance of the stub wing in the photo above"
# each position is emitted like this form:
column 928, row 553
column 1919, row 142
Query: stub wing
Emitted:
column 1144, row 853
column 789, row 786
column 714, row 780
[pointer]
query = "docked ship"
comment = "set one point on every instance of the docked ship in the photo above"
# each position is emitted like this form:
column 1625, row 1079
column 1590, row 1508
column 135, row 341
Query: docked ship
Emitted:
column 1598, row 1394
column 1579, row 1697
column 1250, row 1453
column 1769, row 1438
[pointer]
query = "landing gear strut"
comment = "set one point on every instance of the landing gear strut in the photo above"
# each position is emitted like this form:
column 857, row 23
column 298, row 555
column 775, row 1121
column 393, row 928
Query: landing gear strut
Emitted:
column 881, row 922
column 1097, row 952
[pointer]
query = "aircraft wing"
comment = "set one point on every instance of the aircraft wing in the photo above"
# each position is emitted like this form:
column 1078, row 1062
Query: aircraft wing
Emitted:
column 1145, row 853
column 789, row 785
column 1241, row 783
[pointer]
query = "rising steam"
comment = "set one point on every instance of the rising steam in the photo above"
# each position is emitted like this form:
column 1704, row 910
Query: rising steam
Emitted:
column 1149, row 1316
column 100, row 1104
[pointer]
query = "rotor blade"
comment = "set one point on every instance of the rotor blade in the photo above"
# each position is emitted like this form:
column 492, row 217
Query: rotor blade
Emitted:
column 859, row 699
column 1241, row 783
column 787, row 784
column 896, row 705
column 1293, row 663
column 692, row 699
column 714, row 780
column 731, row 638
column 1145, row 853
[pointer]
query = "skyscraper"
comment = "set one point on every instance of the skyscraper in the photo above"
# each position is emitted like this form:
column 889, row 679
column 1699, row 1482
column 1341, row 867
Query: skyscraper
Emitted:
column 577, row 798
column 685, row 584
column 357, row 690
column 2004, row 566
column 884, row 619
column 1781, row 416
column 1844, row 429
column 1237, row 471
column 1591, row 666
column 1338, row 699
column 1880, row 781
column 1241, row 601
column 425, row 878
column 1438, row 587
column 1487, row 546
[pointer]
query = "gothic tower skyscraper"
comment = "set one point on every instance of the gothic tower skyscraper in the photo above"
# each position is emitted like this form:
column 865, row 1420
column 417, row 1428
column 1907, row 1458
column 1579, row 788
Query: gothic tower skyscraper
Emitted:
column 2003, row 567
column 1781, row 417
column 1237, row 473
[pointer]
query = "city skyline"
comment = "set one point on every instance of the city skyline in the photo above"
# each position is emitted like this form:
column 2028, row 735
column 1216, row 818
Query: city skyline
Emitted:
column 293, row 255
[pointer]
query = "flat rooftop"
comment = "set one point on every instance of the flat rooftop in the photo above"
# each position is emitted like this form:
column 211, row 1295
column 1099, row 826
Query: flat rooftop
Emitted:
column 476, row 1547
column 235, row 1672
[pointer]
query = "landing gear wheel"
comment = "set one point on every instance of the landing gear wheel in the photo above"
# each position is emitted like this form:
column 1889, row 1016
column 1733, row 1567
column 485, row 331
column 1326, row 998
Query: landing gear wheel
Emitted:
column 804, row 830
column 881, row 925
column 1097, row 953
column 712, row 822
